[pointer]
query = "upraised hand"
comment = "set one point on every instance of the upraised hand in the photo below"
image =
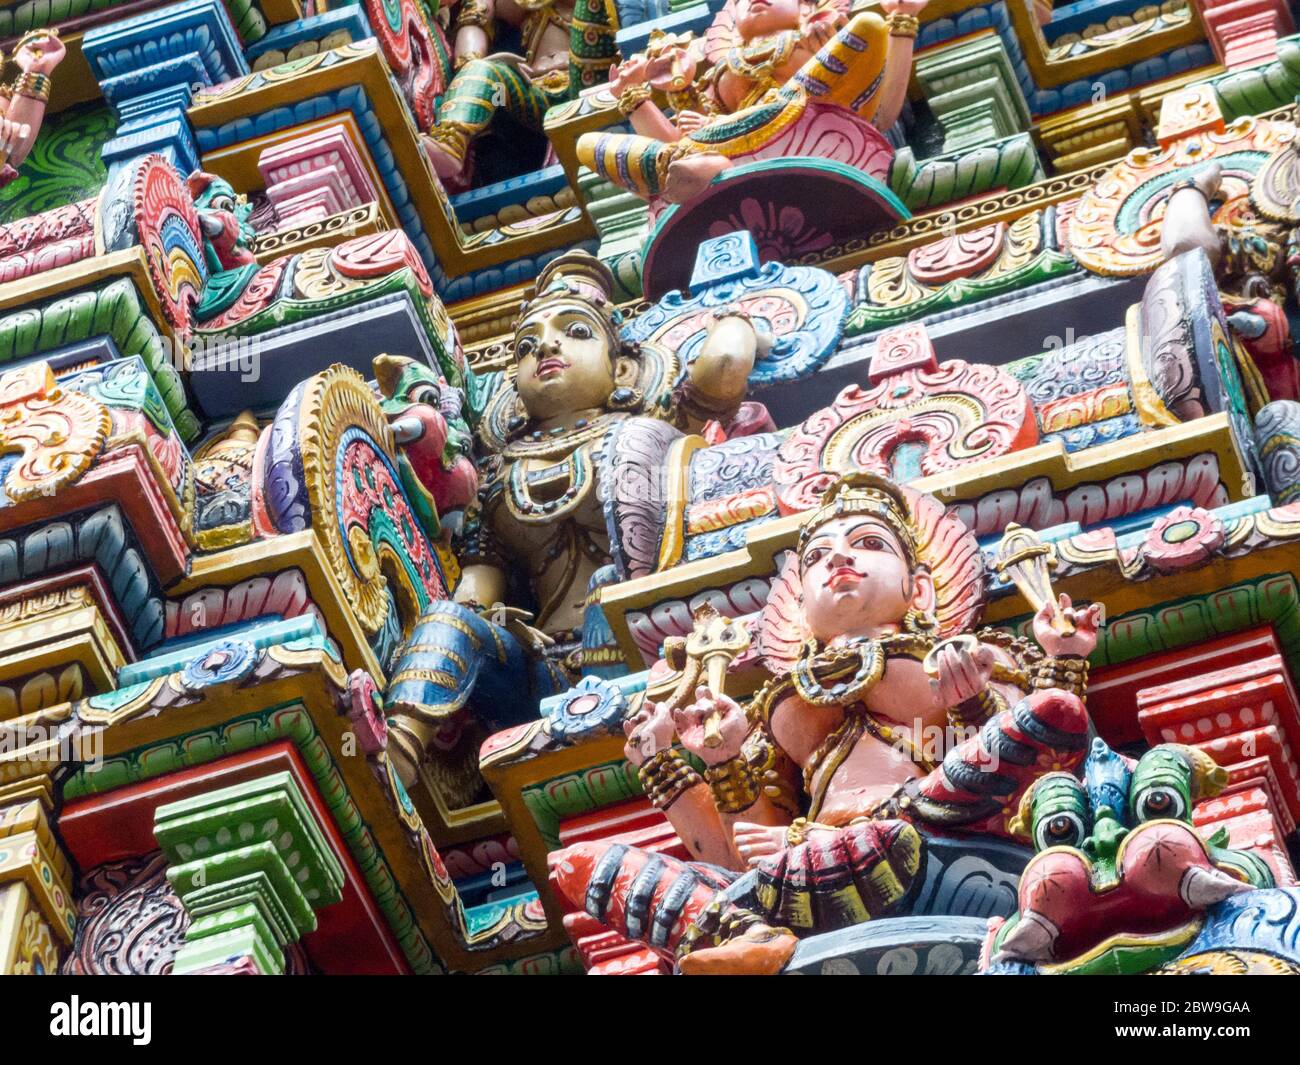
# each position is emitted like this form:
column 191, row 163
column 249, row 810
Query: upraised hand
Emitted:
column 649, row 731
column 1081, row 642
column 962, row 672
column 40, row 55
column 633, row 71
column 695, row 727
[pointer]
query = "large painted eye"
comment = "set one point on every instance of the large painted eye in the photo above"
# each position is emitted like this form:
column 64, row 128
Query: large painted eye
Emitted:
column 579, row 331
column 427, row 395
column 812, row 556
column 1158, row 802
column 1060, row 830
column 525, row 346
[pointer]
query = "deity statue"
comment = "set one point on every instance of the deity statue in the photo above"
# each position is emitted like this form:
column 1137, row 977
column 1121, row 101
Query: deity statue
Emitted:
column 769, row 61
column 228, row 234
column 1121, row 879
column 568, row 45
column 499, row 648
column 815, row 800
column 22, row 104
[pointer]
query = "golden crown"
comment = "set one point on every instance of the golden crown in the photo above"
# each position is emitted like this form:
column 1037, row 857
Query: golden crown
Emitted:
column 577, row 275
column 861, row 492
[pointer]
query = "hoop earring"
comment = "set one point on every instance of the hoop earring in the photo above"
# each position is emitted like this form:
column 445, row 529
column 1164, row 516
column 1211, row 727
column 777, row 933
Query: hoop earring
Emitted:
column 920, row 623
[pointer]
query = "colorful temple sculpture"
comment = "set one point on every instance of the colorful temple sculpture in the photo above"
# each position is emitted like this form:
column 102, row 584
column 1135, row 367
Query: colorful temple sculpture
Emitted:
column 649, row 487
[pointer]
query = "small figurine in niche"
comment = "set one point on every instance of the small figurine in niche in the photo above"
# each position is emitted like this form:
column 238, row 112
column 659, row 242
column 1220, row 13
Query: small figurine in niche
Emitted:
column 770, row 60
column 568, row 46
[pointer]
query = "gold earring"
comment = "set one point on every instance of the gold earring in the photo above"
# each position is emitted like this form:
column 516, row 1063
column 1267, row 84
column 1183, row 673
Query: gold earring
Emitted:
column 920, row 622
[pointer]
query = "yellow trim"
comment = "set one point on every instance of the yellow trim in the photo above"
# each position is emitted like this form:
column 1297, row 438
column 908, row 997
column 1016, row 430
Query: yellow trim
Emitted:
column 1174, row 937
column 679, row 464
column 1151, row 408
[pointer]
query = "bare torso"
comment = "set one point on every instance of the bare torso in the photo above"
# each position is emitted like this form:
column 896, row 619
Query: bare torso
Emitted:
column 874, row 768
column 550, row 51
column 561, row 554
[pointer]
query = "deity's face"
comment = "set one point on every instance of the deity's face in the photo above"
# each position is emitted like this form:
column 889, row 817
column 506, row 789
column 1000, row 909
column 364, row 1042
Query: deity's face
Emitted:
column 564, row 363
column 756, row 18
column 857, row 580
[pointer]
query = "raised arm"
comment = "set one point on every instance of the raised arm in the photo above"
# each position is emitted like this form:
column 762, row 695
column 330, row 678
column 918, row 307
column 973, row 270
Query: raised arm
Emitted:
column 718, row 377
column 711, row 813
column 37, row 56
column 901, row 19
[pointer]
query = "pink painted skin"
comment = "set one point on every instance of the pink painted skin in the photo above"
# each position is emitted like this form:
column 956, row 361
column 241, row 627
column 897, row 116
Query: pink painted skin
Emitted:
column 856, row 582
column 21, row 116
column 1157, row 862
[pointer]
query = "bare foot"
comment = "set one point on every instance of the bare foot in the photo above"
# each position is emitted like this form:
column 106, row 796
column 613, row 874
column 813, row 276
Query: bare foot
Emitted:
column 690, row 175
column 450, row 169
column 764, row 956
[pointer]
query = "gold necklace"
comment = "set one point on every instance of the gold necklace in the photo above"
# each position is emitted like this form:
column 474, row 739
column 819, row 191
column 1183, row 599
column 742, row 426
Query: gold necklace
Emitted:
column 519, row 499
column 539, row 444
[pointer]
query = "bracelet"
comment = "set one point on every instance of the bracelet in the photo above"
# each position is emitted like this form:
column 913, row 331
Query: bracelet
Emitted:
column 33, row 86
column 733, row 785
column 901, row 25
column 800, row 827
column 1185, row 183
column 633, row 97
column 976, row 711
column 1068, row 674
column 666, row 776
column 465, row 59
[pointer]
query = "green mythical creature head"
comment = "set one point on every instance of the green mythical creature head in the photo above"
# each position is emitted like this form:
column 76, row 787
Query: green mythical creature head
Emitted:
column 1120, row 877
column 228, row 236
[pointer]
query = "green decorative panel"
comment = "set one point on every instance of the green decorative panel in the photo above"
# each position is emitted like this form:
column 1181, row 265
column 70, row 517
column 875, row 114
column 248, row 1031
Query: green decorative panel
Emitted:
column 65, row 164
column 251, row 866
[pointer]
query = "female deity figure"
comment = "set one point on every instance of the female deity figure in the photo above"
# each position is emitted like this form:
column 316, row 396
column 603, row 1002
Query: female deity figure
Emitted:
column 808, row 810
column 771, row 59
column 540, row 512
column 22, row 104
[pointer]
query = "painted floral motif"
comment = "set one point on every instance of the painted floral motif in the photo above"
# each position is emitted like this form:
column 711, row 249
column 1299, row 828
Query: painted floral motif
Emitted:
column 1186, row 536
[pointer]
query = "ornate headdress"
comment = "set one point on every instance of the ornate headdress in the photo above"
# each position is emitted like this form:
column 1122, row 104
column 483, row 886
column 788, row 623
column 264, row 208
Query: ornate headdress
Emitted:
column 861, row 492
column 577, row 275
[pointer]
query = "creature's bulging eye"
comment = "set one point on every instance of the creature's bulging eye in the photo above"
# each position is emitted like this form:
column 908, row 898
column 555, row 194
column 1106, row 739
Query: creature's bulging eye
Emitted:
column 1060, row 830
column 1156, row 803
column 223, row 203
column 427, row 395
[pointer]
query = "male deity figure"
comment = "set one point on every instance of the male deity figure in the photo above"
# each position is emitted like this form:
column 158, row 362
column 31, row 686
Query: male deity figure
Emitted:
column 23, row 103
column 568, row 46
column 808, row 811
column 540, row 510
column 771, row 59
